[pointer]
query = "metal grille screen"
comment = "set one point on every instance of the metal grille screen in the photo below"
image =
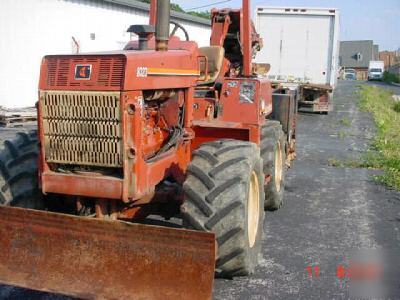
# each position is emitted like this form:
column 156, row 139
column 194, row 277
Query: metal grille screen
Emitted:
column 82, row 128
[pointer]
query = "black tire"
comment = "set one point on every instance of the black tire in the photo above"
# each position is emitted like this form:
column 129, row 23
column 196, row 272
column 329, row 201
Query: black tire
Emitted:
column 217, row 200
column 272, row 140
column 19, row 172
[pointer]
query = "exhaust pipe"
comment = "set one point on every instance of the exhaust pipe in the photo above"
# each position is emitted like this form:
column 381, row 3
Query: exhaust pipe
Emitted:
column 162, row 25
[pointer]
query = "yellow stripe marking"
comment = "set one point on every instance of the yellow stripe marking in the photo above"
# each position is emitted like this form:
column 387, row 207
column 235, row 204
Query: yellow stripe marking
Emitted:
column 178, row 72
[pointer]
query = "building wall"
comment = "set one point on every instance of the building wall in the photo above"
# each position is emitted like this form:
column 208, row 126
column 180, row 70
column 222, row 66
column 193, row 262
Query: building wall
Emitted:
column 361, row 73
column 30, row 29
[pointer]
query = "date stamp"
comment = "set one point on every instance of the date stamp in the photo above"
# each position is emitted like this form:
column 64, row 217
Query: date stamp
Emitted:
column 366, row 274
column 352, row 271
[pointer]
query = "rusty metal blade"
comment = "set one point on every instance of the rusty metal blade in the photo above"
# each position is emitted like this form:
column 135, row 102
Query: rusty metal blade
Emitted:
column 89, row 258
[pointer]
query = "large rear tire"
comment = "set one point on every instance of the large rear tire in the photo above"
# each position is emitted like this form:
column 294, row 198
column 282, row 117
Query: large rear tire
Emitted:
column 224, row 194
column 273, row 153
column 19, row 172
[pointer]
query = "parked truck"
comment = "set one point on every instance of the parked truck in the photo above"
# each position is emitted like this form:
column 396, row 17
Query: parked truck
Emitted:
column 302, row 47
column 376, row 69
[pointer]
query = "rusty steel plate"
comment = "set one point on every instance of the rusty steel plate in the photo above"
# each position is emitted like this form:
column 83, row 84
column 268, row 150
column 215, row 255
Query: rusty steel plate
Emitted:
column 89, row 258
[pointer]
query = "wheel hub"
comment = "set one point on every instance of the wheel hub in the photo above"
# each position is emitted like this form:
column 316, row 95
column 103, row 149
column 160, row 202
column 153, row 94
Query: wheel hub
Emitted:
column 278, row 167
column 253, row 209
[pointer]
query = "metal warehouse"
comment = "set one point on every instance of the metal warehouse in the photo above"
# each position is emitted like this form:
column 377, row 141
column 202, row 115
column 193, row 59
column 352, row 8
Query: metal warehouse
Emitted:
column 30, row 29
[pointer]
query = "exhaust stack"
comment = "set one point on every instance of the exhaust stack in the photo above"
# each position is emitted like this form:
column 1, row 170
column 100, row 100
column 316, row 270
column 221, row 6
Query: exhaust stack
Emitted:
column 162, row 25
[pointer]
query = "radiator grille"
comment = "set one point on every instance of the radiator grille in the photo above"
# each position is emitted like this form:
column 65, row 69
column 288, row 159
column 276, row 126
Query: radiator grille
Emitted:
column 108, row 71
column 82, row 128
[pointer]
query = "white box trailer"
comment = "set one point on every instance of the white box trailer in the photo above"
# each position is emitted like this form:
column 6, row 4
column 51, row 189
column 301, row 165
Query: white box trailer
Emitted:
column 376, row 69
column 302, row 47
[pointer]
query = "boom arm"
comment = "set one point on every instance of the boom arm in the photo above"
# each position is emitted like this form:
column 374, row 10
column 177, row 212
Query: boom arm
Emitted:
column 234, row 30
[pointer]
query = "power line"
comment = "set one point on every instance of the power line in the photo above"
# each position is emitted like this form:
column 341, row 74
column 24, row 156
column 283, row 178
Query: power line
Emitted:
column 212, row 4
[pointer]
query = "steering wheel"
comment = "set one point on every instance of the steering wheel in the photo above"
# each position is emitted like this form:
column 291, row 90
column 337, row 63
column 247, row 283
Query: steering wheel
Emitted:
column 179, row 26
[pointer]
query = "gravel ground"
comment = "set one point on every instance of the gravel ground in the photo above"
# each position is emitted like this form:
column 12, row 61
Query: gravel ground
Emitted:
column 328, row 213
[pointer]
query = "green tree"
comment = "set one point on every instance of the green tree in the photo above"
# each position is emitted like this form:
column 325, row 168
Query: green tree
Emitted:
column 176, row 7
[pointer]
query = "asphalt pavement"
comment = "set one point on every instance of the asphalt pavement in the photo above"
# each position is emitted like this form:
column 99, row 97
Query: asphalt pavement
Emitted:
column 328, row 213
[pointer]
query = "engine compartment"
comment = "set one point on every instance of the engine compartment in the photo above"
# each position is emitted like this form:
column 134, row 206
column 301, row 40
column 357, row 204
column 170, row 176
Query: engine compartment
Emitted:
column 163, row 117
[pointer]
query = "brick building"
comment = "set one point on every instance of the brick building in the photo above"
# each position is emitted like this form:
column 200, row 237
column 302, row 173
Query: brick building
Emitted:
column 389, row 58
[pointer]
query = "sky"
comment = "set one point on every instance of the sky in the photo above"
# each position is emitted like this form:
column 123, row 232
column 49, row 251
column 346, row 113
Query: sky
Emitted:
column 377, row 20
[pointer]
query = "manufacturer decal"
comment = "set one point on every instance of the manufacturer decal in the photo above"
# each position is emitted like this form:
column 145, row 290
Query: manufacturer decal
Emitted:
column 232, row 84
column 83, row 72
column 141, row 72
column 247, row 92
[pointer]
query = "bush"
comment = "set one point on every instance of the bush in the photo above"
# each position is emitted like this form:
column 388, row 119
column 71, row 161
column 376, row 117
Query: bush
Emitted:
column 396, row 107
column 390, row 77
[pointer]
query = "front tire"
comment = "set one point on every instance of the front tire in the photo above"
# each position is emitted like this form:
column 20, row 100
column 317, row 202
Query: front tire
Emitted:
column 19, row 172
column 224, row 194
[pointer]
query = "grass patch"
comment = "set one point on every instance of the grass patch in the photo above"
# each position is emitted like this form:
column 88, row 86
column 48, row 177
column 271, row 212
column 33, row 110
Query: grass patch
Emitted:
column 345, row 122
column 349, row 163
column 385, row 149
column 342, row 134
column 334, row 162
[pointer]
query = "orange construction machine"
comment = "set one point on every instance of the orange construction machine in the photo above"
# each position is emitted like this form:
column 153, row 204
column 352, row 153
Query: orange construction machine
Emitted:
column 162, row 128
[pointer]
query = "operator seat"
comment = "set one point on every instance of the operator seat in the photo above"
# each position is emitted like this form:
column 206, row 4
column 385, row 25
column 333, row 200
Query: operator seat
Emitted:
column 215, row 56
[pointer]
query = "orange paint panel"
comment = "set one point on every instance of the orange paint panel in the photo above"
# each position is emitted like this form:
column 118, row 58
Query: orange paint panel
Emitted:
column 95, row 72
column 96, row 187
column 203, row 109
column 233, row 109
column 205, row 134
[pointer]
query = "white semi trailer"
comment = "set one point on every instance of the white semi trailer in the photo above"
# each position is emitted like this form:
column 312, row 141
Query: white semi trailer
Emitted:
column 302, row 47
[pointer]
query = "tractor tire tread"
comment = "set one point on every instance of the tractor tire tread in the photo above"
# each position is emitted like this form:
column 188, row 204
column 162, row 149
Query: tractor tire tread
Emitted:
column 226, row 164
column 194, row 224
column 230, row 148
column 207, row 156
column 271, row 134
column 228, row 235
column 210, row 198
column 221, row 214
column 19, row 172
column 228, row 257
column 196, row 200
column 221, row 209
column 203, row 177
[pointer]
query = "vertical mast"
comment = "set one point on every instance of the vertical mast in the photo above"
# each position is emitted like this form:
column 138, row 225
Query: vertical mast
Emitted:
column 246, row 39
column 153, row 12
